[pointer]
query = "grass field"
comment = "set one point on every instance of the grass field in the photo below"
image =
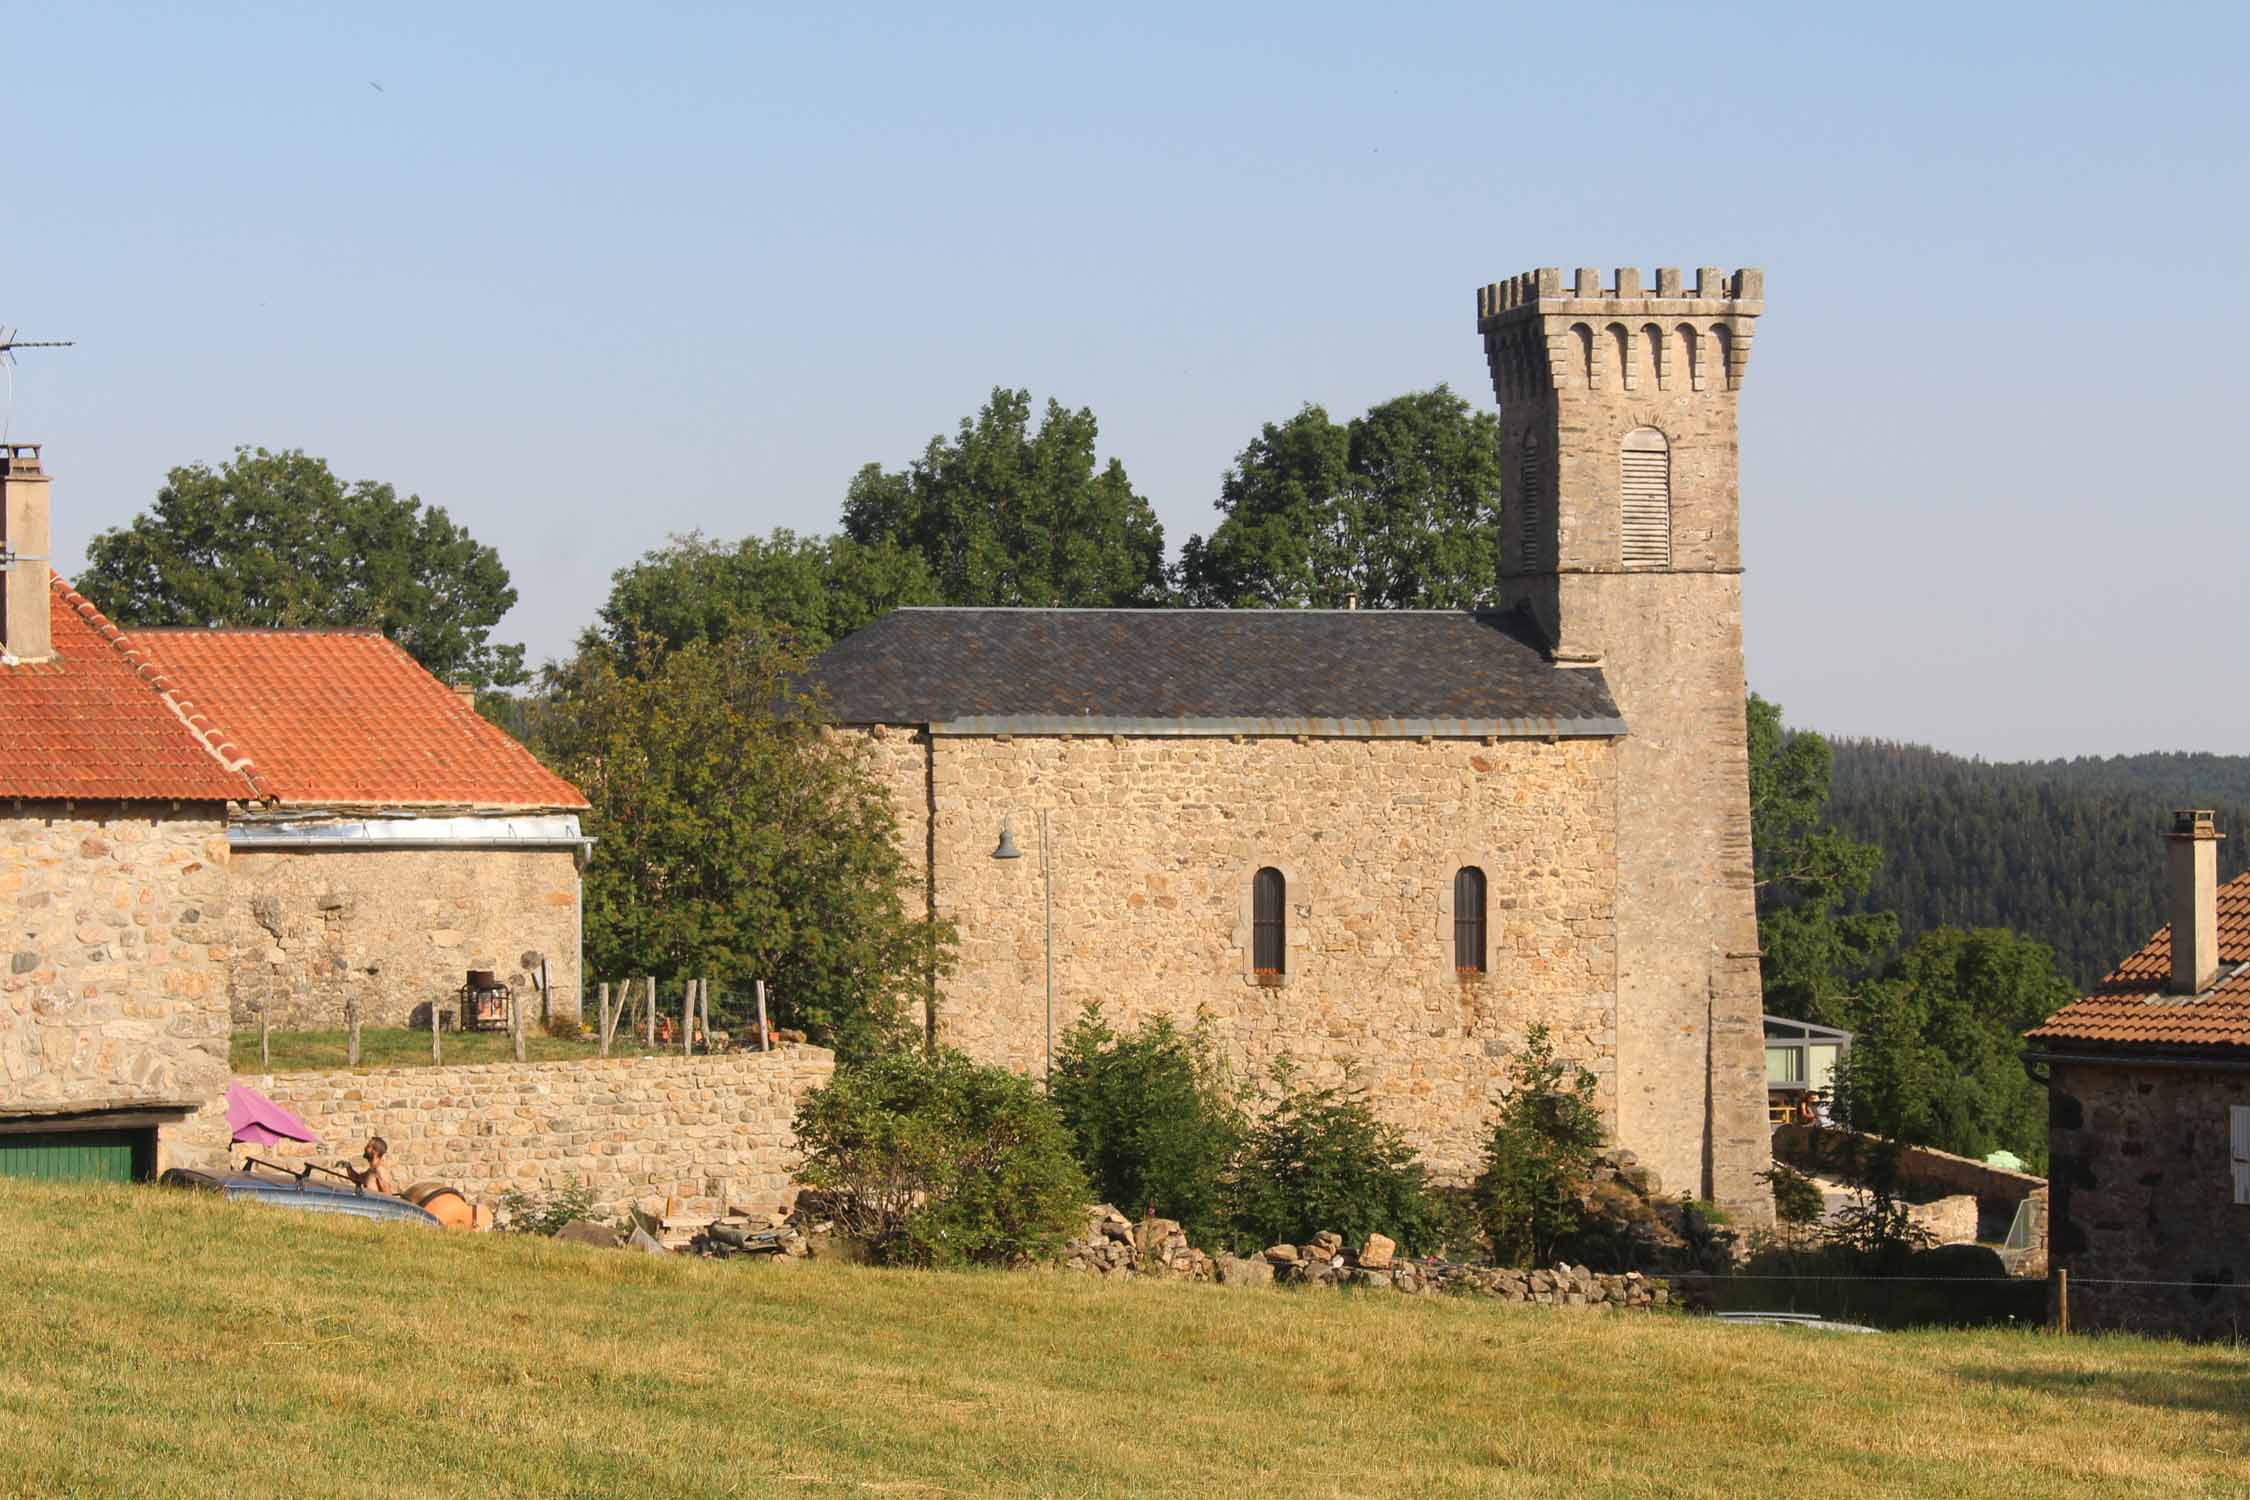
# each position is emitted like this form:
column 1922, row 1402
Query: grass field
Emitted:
column 400, row 1047
column 163, row 1344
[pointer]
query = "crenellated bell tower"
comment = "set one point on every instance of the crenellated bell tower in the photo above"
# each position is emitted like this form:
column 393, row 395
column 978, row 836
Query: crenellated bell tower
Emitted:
column 1622, row 538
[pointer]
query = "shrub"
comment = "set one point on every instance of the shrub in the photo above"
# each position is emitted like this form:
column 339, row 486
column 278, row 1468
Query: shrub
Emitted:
column 1154, row 1118
column 547, row 1213
column 1319, row 1159
column 937, row 1160
column 1540, row 1156
column 1798, row 1204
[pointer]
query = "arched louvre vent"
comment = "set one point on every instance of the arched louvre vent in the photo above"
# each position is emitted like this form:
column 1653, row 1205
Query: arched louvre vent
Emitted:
column 1647, row 493
column 1527, row 509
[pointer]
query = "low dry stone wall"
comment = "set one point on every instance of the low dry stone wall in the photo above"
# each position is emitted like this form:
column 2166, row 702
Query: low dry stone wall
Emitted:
column 709, row 1135
column 1114, row 1245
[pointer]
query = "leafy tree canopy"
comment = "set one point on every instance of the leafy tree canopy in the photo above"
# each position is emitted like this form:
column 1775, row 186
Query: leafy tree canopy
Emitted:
column 1400, row 507
column 738, row 840
column 1936, row 1058
column 814, row 589
column 1007, row 515
column 276, row 539
column 1807, row 875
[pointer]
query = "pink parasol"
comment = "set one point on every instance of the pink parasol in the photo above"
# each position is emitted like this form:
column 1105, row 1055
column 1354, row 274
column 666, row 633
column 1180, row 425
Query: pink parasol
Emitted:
column 251, row 1116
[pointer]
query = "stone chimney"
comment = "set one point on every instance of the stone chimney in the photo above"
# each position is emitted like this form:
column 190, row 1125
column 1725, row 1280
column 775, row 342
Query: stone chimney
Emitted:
column 466, row 691
column 26, row 627
column 2194, row 879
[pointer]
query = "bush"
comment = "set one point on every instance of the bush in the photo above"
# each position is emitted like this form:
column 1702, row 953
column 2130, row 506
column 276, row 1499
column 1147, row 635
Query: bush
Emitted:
column 1319, row 1159
column 1154, row 1119
column 937, row 1160
column 547, row 1213
column 1539, row 1159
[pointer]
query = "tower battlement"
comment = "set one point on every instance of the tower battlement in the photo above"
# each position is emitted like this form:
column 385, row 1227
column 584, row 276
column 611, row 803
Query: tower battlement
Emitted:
column 1545, row 336
column 1716, row 294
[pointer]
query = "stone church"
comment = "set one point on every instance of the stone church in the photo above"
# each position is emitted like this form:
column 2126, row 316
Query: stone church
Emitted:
column 1387, row 843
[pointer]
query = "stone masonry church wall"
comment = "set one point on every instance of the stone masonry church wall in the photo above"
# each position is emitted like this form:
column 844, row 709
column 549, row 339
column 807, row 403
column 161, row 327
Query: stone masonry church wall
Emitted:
column 1154, row 844
column 398, row 929
column 114, row 937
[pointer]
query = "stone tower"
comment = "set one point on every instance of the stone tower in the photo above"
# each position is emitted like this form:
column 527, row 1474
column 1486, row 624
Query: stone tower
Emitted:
column 1622, row 540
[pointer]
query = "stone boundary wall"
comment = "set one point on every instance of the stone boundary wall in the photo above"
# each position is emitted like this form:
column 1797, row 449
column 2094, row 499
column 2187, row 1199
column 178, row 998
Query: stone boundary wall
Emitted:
column 706, row 1133
column 1924, row 1172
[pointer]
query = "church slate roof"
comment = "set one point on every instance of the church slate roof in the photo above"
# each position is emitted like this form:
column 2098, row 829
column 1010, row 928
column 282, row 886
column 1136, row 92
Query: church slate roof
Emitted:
column 1350, row 673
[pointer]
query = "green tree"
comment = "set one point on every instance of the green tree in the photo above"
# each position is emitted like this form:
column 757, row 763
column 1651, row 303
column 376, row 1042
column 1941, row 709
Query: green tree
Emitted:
column 813, row 589
column 737, row 840
column 1400, row 507
column 1808, row 874
column 934, row 1160
column 1539, row 1158
column 276, row 539
column 1154, row 1119
column 1318, row 1159
column 1936, row 1055
column 1007, row 515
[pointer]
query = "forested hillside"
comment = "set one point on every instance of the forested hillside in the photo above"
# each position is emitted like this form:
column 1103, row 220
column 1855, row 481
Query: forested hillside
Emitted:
column 2068, row 852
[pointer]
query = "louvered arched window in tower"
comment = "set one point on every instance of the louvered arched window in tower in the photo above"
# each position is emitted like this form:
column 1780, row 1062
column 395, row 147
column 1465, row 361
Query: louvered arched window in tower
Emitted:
column 1646, row 495
column 1468, row 920
column 1269, row 894
column 1530, row 483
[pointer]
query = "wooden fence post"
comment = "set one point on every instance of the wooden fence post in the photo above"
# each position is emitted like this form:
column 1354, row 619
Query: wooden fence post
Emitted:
column 515, row 1022
column 650, row 1018
column 547, row 994
column 687, row 1018
column 437, row 1051
column 765, row 1033
column 703, row 1005
column 2062, row 1299
column 351, row 1047
column 601, row 1019
column 265, row 1054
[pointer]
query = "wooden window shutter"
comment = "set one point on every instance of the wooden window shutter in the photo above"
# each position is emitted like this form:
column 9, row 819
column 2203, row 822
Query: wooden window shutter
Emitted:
column 1646, row 493
column 1269, row 895
column 1468, row 920
column 2238, row 1144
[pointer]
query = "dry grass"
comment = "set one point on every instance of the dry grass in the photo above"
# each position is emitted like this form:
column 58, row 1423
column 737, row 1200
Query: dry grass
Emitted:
column 161, row 1344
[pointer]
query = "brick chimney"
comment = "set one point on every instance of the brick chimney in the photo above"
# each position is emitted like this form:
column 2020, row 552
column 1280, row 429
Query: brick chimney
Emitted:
column 2194, row 877
column 26, row 628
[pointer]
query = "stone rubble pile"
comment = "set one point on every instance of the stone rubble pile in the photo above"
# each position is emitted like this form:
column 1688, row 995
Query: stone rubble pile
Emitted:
column 1114, row 1245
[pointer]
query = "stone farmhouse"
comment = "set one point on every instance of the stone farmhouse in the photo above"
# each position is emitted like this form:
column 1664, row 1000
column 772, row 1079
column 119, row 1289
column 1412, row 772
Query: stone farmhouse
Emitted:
column 2148, row 1117
column 192, row 822
column 1382, row 842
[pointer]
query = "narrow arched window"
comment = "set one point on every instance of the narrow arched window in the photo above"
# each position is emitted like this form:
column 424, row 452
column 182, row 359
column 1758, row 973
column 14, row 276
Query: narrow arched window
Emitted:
column 1468, row 920
column 1529, row 483
column 1269, row 895
column 1646, row 492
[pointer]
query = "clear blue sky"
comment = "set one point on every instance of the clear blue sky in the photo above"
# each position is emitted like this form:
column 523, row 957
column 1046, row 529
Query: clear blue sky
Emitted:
column 589, row 276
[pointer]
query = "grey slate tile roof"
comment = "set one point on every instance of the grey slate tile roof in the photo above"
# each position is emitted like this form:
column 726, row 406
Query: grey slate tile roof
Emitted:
column 1369, row 672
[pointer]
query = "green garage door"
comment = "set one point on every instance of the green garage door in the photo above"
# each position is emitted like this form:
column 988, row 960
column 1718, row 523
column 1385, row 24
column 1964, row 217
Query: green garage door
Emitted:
column 79, row 1155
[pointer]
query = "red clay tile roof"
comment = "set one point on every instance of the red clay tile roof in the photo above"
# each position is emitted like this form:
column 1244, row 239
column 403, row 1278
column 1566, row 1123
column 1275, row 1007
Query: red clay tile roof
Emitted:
column 99, row 721
column 2131, row 1009
column 341, row 718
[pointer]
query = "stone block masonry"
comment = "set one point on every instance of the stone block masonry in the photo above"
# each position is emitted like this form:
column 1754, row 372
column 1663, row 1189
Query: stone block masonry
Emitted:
column 114, row 931
column 397, row 930
column 708, row 1133
column 1155, row 842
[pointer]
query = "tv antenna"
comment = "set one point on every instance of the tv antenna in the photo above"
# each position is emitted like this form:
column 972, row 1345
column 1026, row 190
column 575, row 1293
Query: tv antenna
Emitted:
column 9, row 344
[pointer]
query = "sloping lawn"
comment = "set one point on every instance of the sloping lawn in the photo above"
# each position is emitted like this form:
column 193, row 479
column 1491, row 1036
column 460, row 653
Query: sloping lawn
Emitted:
column 163, row 1344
